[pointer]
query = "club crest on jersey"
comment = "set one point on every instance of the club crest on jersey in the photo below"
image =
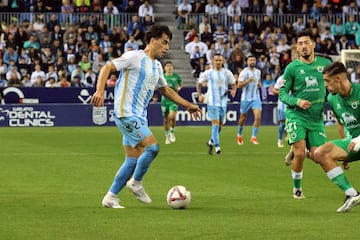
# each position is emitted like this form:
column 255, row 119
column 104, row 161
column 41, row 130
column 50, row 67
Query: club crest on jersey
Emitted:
column 320, row 69
column 354, row 104
column 348, row 118
column 99, row 115
column 302, row 71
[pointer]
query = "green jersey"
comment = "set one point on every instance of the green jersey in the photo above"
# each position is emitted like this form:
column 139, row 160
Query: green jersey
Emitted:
column 304, row 81
column 347, row 111
column 173, row 82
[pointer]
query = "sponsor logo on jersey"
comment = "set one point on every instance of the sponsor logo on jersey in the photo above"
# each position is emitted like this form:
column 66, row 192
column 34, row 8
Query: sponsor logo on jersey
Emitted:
column 348, row 118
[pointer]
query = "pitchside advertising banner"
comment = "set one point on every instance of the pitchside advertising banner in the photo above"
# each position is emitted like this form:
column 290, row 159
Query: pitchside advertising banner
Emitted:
column 43, row 107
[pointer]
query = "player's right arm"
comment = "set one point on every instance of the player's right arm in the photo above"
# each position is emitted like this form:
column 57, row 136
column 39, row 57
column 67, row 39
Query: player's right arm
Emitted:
column 98, row 97
column 203, row 78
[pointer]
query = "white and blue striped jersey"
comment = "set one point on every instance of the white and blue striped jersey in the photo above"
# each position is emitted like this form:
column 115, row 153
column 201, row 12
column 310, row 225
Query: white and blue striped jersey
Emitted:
column 251, row 91
column 138, row 78
column 278, row 84
column 217, row 84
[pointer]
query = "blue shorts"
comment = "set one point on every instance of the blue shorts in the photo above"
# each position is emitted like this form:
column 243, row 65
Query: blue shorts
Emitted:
column 216, row 113
column 245, row 106
column 134, row 129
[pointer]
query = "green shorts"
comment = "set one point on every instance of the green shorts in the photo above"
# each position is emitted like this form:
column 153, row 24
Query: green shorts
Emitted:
column 312, row 132
column 167, row 107
column 343, row 144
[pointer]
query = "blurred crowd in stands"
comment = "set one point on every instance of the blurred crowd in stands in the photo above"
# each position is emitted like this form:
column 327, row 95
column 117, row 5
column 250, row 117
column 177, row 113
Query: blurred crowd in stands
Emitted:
column 39, row 52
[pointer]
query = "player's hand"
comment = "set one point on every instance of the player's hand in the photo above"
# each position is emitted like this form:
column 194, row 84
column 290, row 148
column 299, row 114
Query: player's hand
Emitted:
column 195, row 112
column 304, row 104
column 233, row 93
column 97, row 100
column 250, row 79
column 354, row 144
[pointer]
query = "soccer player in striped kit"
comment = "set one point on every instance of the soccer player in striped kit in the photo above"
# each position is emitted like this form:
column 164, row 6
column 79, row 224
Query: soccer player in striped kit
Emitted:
column 250, row 82
column 140, row 74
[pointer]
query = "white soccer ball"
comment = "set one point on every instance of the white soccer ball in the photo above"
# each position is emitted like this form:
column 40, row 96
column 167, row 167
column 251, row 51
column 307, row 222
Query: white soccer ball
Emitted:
column 178, row 197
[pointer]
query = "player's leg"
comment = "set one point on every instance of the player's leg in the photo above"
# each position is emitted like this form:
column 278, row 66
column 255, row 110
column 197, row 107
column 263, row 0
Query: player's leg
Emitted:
column 297, row 136
column 165, row 113
column 244, row 108
column 281, row 126
column 172, row 121
column 214, row 116
column 257, row 121
column 327, row 155
column 144, row 147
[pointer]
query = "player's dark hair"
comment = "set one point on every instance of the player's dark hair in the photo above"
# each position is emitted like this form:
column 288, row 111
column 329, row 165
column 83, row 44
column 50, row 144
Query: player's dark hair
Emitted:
column 305, row 33
column 156, row 32
column 168, row 62
column 335, row 68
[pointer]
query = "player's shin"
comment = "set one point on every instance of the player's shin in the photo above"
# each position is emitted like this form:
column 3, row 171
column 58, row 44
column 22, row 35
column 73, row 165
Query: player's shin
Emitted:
column 144, row 161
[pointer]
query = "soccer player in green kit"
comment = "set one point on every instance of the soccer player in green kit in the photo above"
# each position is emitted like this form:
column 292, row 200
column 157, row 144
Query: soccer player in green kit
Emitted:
column 168, row 107
column 303, row 91
column 344, row 100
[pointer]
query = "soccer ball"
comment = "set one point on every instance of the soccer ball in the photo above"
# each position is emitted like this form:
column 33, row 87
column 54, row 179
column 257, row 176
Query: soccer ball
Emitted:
column 178, row 197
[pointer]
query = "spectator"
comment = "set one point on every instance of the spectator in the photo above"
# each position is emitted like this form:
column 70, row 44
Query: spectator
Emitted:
column 96, row 6
column 190, row 47
column 64, row 83
column 90, row 79
column 198, row 7
column 189, row 37
column 20, row 37
column 183, row 11
column 343, row 43
column 299, row 25
column 13, row 77
column 323, row 24
column 145, row 9
column 351, row 9
column 337, row 29
column 79, row 74
column 211, row 9
column 10, row 54
column 134, row 24
column 51, row 83
column 203, row 24
column 206, row 36
column 131, row 7
column 233, row 10
column 51, row 73
column 84, row 64
column 220, row 33
column 37, row 73
column 258, row 48
column 351, row 27
column 148, row 23
column 111, row 9
column 82, row 6
column 47, row 58
column 131, row 44
column 25, row 81
column 250, row 25
column 282, row 46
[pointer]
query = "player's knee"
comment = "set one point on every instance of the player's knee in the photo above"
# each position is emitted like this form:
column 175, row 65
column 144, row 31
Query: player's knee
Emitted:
column 153, row 149
column 320, row 154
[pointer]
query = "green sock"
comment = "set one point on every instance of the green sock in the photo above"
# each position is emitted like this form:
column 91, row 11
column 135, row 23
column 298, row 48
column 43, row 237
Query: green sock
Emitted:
column 297, row 179
column 338, row 177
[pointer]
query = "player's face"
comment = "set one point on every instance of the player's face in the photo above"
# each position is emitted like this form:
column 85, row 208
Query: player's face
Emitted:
column 168, row 68
column 331, row 83
column 218, row 62
column 251, row 62
column 305, row 46
column 161, row 45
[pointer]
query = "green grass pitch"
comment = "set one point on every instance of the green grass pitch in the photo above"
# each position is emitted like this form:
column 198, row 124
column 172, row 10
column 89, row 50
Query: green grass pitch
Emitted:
column 52, row 181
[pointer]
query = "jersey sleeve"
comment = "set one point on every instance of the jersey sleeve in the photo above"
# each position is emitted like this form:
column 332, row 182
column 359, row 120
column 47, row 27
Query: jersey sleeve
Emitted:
column 162, row 81
column 231, row 79
column 124, row 61
column 242, row 76
column 288, row 81
column 204, row 77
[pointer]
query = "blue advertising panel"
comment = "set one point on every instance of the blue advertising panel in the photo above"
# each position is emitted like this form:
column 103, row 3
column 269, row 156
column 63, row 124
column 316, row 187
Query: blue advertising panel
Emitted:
column 48, row 115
